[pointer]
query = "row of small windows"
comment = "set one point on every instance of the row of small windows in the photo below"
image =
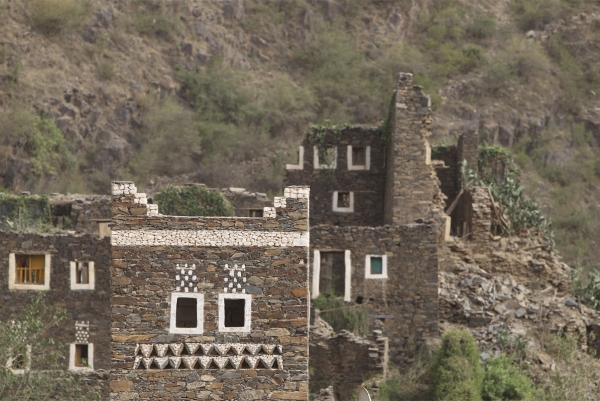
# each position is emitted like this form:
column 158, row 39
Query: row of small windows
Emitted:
column 32, row 272
column 187, row 313
column 358, row 157
column 81, row 357
column 332, row 271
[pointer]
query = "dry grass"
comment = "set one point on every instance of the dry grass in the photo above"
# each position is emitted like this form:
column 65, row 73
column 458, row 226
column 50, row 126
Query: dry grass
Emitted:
column 52, row 16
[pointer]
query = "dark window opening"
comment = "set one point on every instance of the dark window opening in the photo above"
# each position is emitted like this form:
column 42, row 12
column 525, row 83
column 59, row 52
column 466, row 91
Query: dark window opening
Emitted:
column 255, row 212
column 234, row 312
column 343, row 200
column 359, row 156
column 376, row 265
column 332, row 274
column 82, row 273
column 18, row 362
column 186, row 313
column 359, row 299
column 81, row 355
column 30, row 269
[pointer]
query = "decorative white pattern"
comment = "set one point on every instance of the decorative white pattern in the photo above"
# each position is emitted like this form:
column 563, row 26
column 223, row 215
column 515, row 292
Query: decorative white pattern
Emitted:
column 82, row 332
column 235, row 280
column 153, row 356
column 208, row 238
column 185, row 278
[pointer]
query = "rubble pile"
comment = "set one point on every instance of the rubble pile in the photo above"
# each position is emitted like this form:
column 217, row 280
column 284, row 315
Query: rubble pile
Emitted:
column 513, row 288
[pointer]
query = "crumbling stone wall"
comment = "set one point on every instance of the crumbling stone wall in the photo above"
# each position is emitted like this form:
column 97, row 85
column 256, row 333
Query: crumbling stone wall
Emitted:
column 91, row 306
column 261, row 258
column 405, row 304
column 83, row 211
column 412, row 187
column 447, row 172
column 346, row 360
column 245, row 202
column 367, row 185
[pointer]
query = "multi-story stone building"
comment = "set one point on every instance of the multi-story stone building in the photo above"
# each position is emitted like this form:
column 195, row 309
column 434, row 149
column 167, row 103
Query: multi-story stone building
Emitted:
column 209, row 307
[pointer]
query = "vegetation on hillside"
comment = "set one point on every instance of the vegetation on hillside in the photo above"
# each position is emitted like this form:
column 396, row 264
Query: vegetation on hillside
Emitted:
column 25, row 345
column 193, row 200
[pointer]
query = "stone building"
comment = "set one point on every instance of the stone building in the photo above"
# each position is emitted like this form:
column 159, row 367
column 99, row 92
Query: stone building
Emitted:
column 72, row 270
column 209, row 307
column 377, row 218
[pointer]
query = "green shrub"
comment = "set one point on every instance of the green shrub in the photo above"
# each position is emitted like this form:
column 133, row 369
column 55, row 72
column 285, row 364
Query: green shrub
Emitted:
column 105, row 70
column 504, row 381
column 587, row 287
column 481, row 27
column 51, row 16
column 25, row 213
column 341, row 317
column 456, row 372
column 193, row 200
column 153, row 18
column 535, row 14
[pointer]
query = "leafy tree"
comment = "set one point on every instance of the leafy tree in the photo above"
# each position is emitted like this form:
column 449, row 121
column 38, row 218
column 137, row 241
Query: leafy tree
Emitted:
column 193, row 200
column 26, row 346
column 457, row 373
column 505, row 381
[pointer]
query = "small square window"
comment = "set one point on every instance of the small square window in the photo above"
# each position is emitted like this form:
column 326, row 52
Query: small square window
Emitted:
column 343, row 201
column 300, row 165
column 359, row 157
column 81, row 357
column 83, row 276
column 21, row 362
column 376, row 266
column 28, row 271
column 255, row 212
column 187, row 313
column 325, row 158
column 235, row 312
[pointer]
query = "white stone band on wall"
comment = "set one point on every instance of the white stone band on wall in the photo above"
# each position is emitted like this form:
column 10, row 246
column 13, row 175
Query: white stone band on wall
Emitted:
column 207, row 238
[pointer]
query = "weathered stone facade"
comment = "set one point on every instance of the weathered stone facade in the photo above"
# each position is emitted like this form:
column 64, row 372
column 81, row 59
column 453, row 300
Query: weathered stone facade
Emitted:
column 88, row 309
column 85, row 212
column 262, row 261
column 365, row 182
column 246, row 203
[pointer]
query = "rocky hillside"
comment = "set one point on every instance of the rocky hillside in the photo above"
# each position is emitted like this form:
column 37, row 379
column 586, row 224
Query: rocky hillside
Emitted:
column 222, row 91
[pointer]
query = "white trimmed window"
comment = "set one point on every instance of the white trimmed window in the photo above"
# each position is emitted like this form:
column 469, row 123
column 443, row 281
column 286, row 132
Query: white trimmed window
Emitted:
column 81, row 357
column 330, row 274
column 376, row 266
column 235, row 313
column 300, row 165
column 329, row 158
column 187, row 313
column 343, row 201
column 29, row 271
column 20, row 363
column 83, row 276
column 359, row 157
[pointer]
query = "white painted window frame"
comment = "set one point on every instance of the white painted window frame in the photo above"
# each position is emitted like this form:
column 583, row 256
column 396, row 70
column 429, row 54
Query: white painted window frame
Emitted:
column 12, row 264
column 368, row 273
column 300, row 165
column 366, row 166
column 318, row 165
column 10, row 361
column 91, row 276
column 317, row 273
column 173, row 329
column 89, row 367
column 335, row 207
column 247, row 313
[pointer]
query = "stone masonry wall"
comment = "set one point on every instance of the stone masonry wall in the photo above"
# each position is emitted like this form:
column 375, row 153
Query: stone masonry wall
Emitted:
column 346, row 360
column 366, row 185
column 245, row 201
column 264, row 259
column 448, row 173
column 91, row 306
column 405, row 305
column 468, row 149
column 412, row 187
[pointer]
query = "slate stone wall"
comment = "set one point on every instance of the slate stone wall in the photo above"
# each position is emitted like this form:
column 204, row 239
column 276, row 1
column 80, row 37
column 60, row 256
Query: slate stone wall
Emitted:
column 81, row 305
column 405, row 305
column 367, row 185
column 269, row 362
column 244, row 201
column 448, row 174
column 412, row 187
